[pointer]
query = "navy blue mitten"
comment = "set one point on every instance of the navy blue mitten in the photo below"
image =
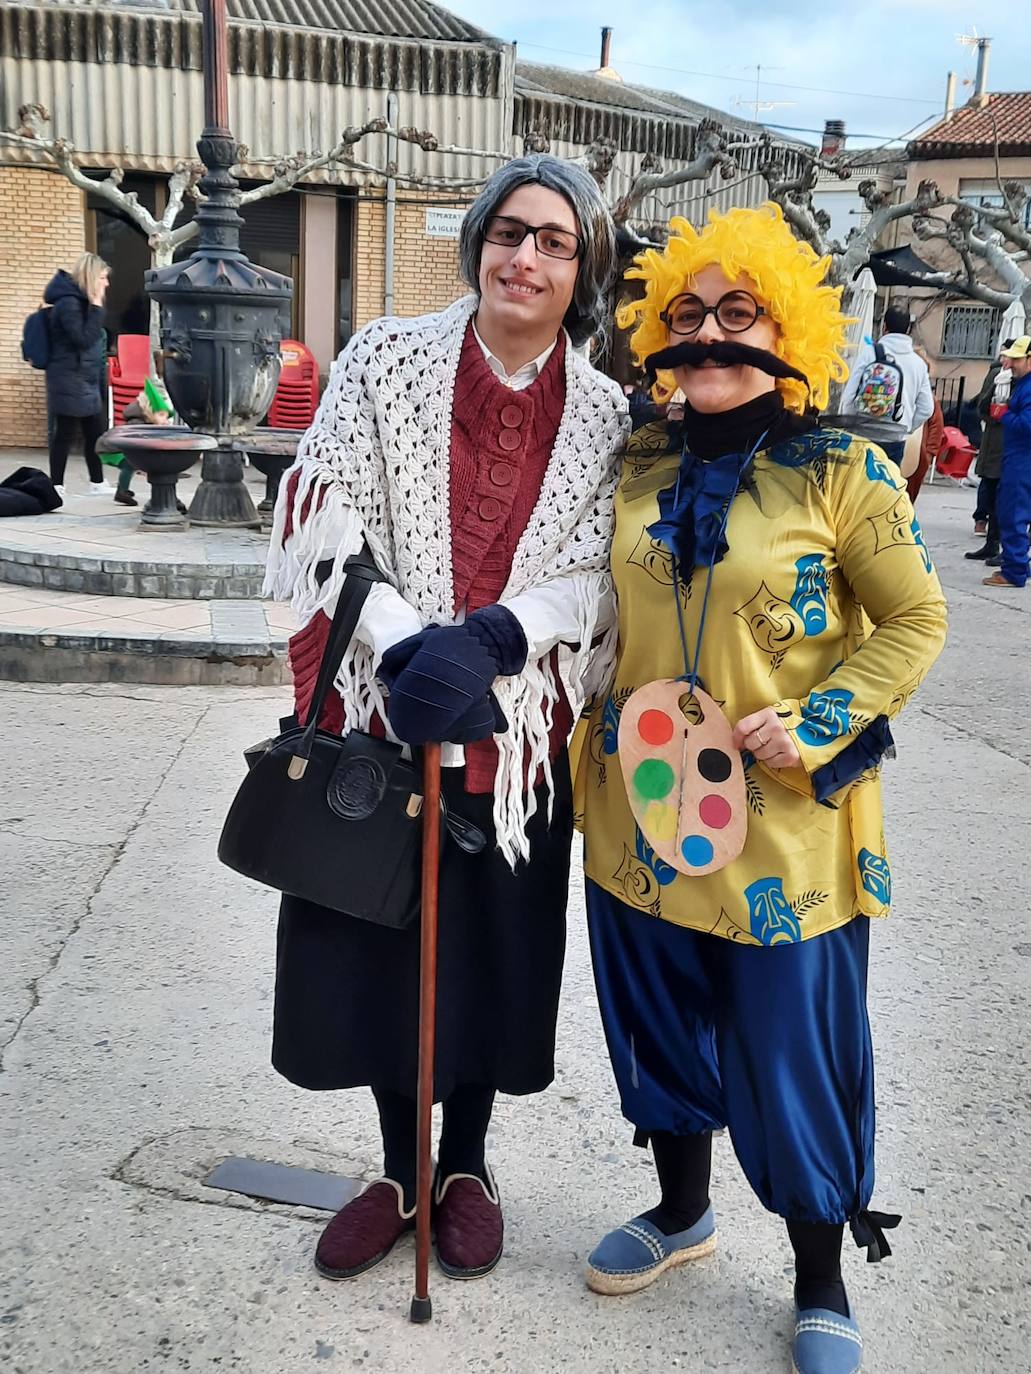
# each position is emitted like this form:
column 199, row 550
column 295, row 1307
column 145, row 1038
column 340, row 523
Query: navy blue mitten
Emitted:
column 502, row 636
column 446, row 677
column 440, row 679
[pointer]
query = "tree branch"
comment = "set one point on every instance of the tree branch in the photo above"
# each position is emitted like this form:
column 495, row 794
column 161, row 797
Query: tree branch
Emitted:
column 62, row 157
column 1007, row 220
column 882, row 213
column 712, row 150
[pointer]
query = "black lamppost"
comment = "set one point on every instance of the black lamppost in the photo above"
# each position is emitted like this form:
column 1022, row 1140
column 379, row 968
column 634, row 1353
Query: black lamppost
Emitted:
column 222, row 316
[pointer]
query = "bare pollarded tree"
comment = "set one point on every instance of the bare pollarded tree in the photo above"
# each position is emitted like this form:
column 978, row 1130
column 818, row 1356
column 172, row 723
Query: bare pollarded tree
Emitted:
column 163, row 232
column 992, row 245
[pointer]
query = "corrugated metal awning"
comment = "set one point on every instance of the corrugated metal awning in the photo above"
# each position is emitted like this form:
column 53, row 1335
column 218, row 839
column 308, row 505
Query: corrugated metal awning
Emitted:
column 386, row 18
column 171, row 39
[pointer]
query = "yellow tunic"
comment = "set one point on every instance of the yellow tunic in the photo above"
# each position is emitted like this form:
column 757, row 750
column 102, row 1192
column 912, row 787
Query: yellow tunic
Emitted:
column 812, row 547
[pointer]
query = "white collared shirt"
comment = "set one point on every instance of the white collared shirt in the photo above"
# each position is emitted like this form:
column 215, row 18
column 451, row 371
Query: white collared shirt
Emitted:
column 524, row 376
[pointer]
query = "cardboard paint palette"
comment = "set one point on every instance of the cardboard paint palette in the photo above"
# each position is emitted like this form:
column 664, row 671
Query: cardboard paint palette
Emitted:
column 684, row 779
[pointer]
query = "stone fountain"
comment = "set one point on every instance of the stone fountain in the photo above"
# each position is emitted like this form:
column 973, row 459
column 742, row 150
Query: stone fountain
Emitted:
column 222, row 318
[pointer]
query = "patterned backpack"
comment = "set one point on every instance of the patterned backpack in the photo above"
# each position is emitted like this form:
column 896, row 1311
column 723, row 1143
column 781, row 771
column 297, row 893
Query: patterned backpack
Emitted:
column 879, row 395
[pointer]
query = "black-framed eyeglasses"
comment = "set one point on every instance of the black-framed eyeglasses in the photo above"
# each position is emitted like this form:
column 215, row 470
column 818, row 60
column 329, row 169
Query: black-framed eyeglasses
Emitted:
column 553, row 243
column 735, row 312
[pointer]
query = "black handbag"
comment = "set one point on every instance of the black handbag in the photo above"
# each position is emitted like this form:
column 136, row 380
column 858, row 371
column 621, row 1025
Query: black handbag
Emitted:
column 335, row 819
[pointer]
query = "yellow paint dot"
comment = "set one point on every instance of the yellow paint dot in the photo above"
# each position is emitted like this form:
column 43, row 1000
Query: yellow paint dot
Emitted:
column 660, row 822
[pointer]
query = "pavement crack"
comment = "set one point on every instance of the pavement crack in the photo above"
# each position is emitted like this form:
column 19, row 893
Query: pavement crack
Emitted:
column 954, row 724
column 51, row 839
column 35, row 984
column 234, row 1202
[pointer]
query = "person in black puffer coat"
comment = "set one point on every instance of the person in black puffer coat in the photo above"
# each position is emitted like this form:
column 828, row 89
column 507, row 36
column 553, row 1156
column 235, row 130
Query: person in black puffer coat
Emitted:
column 75, row 372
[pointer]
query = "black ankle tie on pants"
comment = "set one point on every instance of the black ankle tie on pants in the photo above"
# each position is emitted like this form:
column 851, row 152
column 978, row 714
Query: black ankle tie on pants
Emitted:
column 684, row 1164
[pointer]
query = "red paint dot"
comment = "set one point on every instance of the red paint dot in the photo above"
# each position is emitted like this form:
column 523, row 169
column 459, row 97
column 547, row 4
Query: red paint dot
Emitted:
column 715, row 811
column 655, row 727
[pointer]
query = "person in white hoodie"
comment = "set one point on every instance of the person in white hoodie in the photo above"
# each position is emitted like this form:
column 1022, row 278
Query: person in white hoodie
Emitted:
column 916, row 401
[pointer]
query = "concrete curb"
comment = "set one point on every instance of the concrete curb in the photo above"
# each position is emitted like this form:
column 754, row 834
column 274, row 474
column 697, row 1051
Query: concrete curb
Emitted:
column 93, row 576
column 219, row 659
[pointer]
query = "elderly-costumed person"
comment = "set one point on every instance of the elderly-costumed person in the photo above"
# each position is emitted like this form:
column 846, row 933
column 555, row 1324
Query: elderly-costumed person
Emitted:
column 777, row 607
column 474, row 454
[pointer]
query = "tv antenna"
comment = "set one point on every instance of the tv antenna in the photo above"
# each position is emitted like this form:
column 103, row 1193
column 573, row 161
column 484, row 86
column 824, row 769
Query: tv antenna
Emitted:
column 756, row 104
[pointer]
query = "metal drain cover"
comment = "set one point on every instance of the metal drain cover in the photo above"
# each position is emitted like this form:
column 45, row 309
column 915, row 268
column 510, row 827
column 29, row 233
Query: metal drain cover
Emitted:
column 283, row 1183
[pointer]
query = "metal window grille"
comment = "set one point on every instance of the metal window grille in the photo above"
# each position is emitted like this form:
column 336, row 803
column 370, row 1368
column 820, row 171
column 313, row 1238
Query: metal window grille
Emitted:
column 970, row 331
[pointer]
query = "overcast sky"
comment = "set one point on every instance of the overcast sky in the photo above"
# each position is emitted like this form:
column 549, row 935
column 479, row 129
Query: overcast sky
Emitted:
column 881, row 66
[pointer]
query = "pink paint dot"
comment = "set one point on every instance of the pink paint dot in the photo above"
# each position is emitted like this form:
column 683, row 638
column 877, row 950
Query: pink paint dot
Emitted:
column 715, row 811
column 655, row 727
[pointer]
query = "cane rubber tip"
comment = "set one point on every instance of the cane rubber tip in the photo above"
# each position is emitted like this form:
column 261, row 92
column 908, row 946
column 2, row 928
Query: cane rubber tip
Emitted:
column 422, row 1310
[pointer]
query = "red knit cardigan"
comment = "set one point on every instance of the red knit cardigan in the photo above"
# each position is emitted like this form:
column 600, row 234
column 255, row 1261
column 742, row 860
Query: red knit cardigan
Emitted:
column 501, row 442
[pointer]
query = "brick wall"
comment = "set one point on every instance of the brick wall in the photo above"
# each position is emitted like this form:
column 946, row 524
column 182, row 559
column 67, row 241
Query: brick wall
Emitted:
column 425, row 268
column 368, row 262
column 43, row 229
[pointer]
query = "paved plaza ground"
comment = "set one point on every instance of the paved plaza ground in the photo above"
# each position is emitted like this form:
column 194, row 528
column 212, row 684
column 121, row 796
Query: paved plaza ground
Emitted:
column 135, row 1004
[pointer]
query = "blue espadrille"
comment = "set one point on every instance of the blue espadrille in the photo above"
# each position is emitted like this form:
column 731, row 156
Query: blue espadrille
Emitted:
column 636, row 1253
column 826, row 1343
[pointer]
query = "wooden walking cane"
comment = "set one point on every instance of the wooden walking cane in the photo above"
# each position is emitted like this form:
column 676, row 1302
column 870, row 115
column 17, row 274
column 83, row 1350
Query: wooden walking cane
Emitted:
column 422, row 1307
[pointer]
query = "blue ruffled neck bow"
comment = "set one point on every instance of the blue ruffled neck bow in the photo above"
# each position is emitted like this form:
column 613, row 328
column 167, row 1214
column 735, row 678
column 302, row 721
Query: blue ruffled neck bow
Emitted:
column 691, row 511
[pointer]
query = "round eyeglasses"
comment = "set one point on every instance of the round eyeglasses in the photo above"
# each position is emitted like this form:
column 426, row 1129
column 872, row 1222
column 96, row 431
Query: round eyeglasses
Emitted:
column 735, row 312
column 553, row 243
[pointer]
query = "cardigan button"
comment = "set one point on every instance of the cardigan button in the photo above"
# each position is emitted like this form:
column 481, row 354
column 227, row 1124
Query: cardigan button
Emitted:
column 489, row 509
column 501, row 474
column 510, row 440
column 512, row 416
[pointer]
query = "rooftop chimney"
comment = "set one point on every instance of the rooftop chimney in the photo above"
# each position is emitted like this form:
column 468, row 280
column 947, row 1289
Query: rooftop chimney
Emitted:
column 950, row 94
column 833, row 137
column 981, row 80
column 606, row 47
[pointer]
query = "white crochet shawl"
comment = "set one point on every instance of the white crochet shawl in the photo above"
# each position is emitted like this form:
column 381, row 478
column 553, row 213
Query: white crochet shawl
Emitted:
column 374, row 466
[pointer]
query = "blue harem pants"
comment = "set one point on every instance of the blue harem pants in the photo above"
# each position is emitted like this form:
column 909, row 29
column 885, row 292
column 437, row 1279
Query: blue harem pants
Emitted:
column 772, row 1043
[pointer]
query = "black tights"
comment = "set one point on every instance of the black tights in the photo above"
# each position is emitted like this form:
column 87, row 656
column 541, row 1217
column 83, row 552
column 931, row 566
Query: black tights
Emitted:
column 461, row 1151
column 93, row 426
column 684, row 1162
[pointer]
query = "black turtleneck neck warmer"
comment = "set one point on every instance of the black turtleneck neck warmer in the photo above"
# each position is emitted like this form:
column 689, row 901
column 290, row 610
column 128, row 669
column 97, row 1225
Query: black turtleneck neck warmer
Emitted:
column 740, row 429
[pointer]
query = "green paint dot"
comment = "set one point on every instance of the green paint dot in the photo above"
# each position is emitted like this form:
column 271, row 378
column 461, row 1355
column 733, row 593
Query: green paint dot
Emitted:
column 653, row 779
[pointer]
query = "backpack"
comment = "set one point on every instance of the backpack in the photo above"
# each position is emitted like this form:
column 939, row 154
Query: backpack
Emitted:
column 879, row 395
column 35, row 338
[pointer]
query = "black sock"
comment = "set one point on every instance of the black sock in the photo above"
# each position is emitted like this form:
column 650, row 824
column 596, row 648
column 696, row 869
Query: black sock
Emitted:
column 462, row 1138
column 818, row 1282
column 683, row 1163
column 397, row 1119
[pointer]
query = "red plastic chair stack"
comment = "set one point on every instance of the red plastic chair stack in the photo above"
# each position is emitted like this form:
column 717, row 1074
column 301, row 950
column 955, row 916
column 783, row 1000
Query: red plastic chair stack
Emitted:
column 957, row 453
column 297, row 395
column 128, row 371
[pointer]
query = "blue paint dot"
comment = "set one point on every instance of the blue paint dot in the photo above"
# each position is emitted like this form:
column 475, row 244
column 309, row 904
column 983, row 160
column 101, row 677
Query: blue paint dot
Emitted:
column 697, row 851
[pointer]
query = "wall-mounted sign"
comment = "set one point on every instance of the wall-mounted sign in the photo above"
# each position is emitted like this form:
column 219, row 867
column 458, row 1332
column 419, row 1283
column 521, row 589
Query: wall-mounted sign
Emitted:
column 444, row 223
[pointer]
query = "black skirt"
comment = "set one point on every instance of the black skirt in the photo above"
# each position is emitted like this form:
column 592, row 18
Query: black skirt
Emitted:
column 347, row 991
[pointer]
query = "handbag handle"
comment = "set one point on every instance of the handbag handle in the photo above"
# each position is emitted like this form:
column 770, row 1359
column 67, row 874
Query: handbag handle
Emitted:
column 362, row 573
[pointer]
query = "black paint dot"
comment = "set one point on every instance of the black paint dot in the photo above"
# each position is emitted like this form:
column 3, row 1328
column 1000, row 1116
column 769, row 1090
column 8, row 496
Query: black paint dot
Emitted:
column 714, row 765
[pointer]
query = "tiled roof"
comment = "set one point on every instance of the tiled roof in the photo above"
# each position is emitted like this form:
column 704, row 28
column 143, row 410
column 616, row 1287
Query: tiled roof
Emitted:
column 386, row 18
column 1005, row 115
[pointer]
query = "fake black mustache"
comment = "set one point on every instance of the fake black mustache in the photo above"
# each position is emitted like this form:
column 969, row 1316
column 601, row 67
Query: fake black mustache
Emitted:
column 719, row 351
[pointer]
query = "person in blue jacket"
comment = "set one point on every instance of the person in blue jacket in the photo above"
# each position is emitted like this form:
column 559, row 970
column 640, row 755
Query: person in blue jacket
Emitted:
column 1013, row 502
column 75, row 371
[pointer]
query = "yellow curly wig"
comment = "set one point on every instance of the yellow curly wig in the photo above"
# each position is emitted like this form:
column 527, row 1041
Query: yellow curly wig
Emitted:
column 788, row 277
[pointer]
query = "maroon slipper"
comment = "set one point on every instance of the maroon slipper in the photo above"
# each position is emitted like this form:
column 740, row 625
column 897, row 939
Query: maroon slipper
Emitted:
column 364, row 1232
column 470, row 1227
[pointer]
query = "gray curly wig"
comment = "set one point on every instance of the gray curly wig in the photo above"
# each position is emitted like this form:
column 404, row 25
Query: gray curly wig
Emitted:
column 589, row 309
